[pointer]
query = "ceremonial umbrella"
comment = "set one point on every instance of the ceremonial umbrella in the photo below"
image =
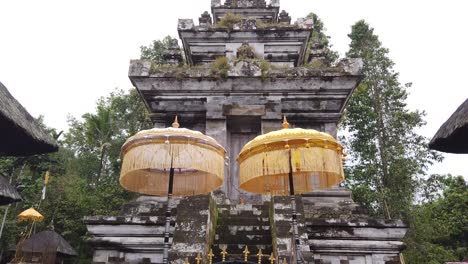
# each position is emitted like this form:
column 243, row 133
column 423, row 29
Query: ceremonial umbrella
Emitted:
column 172, row 161
column 290, row 161
column 30, row 215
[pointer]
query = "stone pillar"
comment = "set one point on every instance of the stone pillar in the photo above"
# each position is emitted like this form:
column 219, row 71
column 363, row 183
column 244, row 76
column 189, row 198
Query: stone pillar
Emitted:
column 194, row 229
column 282, row 228
column 217, row 129
column 270, row 125
column 330, row 128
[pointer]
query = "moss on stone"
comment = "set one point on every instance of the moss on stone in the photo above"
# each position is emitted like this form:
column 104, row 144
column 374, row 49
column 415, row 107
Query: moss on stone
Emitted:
column 246, row 52
column 228, row 21
column 264, row 25
column 220, row 67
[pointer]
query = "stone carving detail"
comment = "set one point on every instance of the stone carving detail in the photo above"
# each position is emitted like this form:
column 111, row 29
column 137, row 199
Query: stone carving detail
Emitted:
column 205, row 19
column 215, row 3
column 318, row 54
column 305, row 23
column 245, row 68
column 173, row 55
column 245, row 3
column 246, row 24
column 275, row 3
column 351, row 65
column 186, row 24
column 245, row 51
column 284, row 17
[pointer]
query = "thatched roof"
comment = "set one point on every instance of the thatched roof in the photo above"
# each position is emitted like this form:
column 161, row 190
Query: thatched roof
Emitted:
column 20, row 134
column 8, row 193
column 452, row 136
column 48, row 242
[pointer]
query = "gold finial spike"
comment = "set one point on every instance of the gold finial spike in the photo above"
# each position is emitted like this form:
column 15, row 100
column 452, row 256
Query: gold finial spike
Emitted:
column 176, row 123
column 285, row 122
column 285, row 261
column 186, row 261
column 224, row 253
column 260, row 255
column 210, row 256
column 246, row 253
column 198, row 258
column 272, row 258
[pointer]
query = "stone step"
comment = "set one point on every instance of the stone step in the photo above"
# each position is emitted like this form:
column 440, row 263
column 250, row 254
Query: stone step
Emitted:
column 243, row 221
column 244, row 213
column 248, row 238
column 232, row 229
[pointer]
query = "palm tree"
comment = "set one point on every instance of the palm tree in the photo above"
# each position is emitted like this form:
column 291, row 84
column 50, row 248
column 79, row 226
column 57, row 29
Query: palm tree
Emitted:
column 99, row 130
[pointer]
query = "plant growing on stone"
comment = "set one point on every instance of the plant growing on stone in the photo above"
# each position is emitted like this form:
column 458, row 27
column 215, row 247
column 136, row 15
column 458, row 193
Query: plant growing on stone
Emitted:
column 155, row 51
column 320, row 40
column 220, row 67
column 245, row 52
column 229, row 20
column 265, row 67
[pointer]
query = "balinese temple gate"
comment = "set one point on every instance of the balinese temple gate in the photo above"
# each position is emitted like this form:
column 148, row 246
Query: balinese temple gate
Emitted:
column 246, row 67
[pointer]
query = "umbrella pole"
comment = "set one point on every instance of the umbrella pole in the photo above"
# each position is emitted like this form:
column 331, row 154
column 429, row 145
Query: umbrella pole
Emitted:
column 294, row 212
column 168, row 217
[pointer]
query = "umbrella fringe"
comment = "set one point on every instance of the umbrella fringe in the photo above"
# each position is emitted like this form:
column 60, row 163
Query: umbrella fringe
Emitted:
column 314, row 168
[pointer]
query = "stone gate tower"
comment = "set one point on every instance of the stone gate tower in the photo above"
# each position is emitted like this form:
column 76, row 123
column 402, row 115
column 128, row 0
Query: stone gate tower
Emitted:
column 247, row 65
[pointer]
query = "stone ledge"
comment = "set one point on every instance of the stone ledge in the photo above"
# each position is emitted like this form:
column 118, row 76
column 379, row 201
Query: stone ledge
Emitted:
column 361, row 246
column 127, row 220
column 143, row 68
column 377, row 223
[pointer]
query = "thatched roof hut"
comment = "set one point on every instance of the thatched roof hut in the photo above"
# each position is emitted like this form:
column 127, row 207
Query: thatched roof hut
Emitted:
column 46, row 247
column 452, row 136
column 21, row 135
column 8, row 193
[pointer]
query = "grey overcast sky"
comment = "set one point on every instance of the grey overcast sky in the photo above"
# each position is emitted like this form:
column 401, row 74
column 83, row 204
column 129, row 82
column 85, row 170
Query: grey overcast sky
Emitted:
column 58, row 57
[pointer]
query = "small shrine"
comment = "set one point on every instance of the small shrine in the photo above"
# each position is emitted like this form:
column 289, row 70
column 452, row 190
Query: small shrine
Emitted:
column 247, row 67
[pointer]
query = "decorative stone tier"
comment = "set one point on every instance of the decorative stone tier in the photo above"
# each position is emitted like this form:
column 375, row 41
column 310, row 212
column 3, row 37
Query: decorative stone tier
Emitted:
column 281, row 44
column 135, row 237
column 339, row 231
column 311, row 98
column 256, row 9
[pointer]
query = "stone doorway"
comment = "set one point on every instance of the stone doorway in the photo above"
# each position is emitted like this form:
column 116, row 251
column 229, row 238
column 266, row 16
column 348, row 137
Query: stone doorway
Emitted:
column 241, row 129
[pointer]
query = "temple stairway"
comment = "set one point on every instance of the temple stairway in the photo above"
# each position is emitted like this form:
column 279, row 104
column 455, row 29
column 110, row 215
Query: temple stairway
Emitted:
column 243, row 225
column 138, row 233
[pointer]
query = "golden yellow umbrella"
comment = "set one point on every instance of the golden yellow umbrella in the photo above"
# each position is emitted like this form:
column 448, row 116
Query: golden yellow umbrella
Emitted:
column 291, row 161
column 312, row 158
column 197, row 161
column 30, row 215
column 172, row 161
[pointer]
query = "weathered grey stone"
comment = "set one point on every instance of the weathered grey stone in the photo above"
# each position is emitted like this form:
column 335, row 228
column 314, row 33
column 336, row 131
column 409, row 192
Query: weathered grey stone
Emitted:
column 275, row 3
column 244, row 68
column 215, row 3
column 233, row 106
column 284, row 17
column 305, row 23
column 205, row 19
column 186, row 24
column 351, row 65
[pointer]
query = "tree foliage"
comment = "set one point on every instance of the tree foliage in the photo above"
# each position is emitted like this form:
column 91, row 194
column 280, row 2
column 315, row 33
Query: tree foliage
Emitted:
column 84, row 173
column 439, row 226
column 320, row 38
column 387, row 155
column 155, row 51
